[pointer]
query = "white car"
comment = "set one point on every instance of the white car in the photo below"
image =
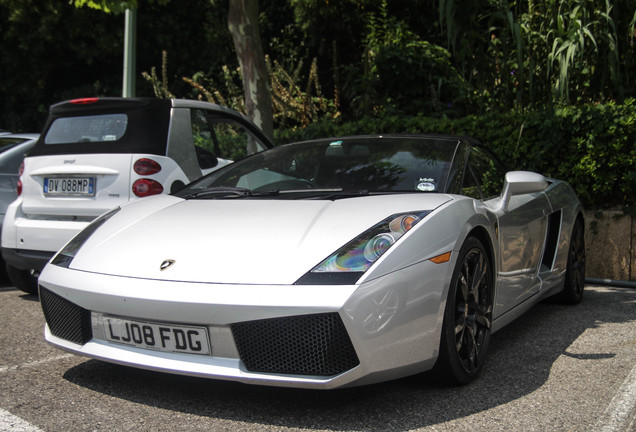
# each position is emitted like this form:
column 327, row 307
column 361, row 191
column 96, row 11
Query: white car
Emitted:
column 95, row 154
column 321, row 264
column 13, row 149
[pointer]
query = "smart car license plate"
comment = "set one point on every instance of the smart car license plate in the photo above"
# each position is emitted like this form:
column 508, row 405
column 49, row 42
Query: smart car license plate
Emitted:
column 156, row 336
column 69, row 186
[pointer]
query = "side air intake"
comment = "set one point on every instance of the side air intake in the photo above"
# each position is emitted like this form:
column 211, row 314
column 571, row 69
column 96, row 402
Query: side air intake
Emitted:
column 66, row 320
column 299, row 345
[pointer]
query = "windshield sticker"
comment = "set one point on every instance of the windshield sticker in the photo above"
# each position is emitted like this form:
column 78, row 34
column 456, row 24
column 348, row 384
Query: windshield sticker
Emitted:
column 426, row 185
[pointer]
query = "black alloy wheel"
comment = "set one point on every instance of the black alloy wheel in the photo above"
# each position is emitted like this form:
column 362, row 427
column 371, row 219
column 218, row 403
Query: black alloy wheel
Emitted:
column 468, row 315
column 574, row 281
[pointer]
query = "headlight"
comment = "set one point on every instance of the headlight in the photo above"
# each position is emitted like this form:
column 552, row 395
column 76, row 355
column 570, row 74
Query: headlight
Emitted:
column 358, row 255
column 66, row 255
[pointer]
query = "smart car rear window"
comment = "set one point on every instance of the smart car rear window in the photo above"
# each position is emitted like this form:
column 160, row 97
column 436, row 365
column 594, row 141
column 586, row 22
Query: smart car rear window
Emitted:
column 108, row 125
column 95, row 128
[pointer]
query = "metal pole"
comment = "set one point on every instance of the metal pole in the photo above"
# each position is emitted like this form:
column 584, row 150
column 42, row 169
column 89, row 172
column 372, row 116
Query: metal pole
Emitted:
column 130, row 53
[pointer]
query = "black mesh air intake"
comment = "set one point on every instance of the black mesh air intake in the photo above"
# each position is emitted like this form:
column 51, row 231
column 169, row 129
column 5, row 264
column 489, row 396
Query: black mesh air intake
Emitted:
column 66, row 320
column 299, row 345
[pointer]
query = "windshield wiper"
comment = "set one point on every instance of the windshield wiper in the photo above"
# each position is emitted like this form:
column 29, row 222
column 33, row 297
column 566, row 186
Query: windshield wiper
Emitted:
column 228, row 192
column 220, row 192
column 323, row 194
column 342, row 194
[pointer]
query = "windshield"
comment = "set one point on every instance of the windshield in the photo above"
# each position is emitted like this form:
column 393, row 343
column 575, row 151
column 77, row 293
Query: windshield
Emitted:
column 359, row 164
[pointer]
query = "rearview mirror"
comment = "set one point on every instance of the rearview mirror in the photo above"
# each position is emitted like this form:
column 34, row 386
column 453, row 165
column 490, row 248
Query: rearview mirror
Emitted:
column 519, row 183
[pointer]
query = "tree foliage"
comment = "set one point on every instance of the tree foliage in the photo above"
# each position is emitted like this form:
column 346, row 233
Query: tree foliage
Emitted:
column 52, row 51
column 533, row 54
column 113, row 6
column 347, row 60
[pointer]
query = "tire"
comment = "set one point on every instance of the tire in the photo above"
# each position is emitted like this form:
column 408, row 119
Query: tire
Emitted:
column 22, row 279
column 3, row 271
column 574, row 281
column 467, row 316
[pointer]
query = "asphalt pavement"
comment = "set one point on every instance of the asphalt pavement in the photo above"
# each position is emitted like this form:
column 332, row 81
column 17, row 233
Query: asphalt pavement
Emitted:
column 558, row 368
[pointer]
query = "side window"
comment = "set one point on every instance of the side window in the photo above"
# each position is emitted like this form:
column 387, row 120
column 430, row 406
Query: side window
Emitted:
column 204, row 141
column 471, row 187
column 234, row 141
column 219, row 137
column 484, row 176
column 12, row 157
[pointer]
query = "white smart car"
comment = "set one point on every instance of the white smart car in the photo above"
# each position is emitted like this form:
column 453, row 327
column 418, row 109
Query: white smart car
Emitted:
column 95, row 154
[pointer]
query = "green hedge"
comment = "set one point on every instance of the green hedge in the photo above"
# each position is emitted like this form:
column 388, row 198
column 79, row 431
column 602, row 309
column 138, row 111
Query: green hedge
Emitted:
column 591, row 147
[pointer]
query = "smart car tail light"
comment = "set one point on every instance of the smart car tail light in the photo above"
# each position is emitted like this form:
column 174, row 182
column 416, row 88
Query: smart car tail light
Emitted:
column 19, row 183
column 146, row 167
column 146, row 187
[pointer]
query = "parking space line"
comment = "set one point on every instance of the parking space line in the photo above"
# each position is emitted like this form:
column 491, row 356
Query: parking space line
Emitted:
column 34, row 363
column 9, row 422
column 620, row 414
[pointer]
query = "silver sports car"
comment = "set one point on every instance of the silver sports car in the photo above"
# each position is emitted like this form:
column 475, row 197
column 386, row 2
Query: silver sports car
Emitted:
column 321, row 264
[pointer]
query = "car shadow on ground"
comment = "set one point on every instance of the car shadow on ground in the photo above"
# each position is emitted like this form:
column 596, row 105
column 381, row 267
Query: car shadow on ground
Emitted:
column 5, row 285
column 520, row 358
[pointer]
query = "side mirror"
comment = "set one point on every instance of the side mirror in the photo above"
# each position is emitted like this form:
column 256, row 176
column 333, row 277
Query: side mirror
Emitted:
column 519, row 183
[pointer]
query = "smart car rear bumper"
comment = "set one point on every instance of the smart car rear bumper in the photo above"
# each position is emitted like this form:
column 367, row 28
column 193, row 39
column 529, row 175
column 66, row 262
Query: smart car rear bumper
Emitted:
column 26, row 259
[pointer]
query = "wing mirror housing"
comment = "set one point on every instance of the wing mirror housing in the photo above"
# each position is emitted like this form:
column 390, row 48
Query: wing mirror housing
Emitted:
column 519, row 183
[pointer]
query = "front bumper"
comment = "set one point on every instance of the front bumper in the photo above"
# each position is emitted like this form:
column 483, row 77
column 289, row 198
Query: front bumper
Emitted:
column 294, row 336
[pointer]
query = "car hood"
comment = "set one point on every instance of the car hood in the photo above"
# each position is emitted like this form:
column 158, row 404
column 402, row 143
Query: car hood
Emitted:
column 238, row 241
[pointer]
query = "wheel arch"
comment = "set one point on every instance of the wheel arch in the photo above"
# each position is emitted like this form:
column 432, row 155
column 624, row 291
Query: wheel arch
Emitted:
column 482, row 234
column 580, row 218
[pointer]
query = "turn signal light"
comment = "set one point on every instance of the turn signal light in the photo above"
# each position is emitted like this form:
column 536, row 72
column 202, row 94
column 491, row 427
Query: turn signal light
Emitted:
column 146, row 167
column 21, row 170
column 146, row 187
column 440, row 259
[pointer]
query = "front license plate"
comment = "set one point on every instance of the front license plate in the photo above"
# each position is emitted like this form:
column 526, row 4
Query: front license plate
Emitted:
column 159, row 337
column 69, row 186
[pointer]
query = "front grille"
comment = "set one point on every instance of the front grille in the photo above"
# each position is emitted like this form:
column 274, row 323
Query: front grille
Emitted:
column 298, row 345
column 66, row 320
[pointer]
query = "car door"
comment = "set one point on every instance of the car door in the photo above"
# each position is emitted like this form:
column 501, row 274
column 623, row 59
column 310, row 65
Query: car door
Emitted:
column 205, row 137
column 521, row 230
column 522, row 233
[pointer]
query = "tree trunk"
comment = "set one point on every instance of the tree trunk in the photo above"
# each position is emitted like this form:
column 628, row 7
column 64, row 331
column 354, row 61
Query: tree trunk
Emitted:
column 243, row 25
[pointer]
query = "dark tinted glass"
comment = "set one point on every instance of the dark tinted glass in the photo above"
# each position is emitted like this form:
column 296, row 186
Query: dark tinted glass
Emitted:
column 96, row 128
column 391, row 164
column 9, row 142
column 484, row 176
